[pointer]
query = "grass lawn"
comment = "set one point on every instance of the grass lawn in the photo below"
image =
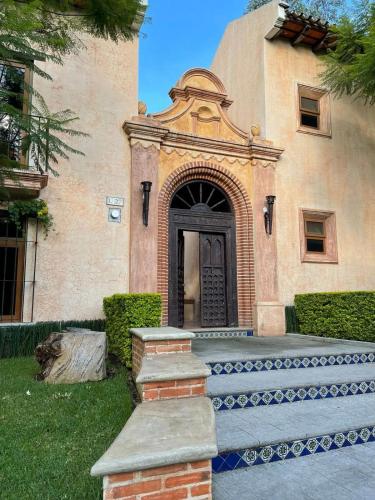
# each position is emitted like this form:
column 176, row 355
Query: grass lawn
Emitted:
column 51, row 435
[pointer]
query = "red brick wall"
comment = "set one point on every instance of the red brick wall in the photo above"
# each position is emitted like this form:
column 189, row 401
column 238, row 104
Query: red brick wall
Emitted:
column 152, row 347
column 173, row 389
column 244, row 231
column 172, row 482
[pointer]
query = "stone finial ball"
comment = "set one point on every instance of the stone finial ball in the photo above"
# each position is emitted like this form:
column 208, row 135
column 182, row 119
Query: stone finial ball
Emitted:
column 255, row 130
column 142, row 108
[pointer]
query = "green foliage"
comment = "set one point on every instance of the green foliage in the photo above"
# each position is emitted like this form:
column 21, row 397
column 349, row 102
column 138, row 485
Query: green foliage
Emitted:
column 350, row 67
column 291, row 321
column 328, row 10
column 21, row 209
column 125, row 311
column 51, row 435
column 21, row 340
column 47, row 30
column 345, row 315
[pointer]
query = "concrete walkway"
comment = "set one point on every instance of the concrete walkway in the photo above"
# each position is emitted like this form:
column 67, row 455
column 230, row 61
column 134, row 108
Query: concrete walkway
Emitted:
column 233, row 349
column 345, row 474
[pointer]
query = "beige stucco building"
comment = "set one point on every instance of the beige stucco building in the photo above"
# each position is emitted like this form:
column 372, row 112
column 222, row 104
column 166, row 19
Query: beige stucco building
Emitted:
column 254, row 185
column 331, row 170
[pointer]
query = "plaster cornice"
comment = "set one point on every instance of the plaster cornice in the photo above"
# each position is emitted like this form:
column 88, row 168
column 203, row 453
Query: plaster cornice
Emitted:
column 152, row 132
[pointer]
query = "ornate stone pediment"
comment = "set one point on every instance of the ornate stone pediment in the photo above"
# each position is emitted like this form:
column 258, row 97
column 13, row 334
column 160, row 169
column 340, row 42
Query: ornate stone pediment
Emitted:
column 200, row 104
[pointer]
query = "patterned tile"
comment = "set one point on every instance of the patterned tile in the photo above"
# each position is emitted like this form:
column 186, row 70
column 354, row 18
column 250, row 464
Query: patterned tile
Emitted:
column 228, row 367
column 217, row 334
column 291, row 394
column 292, row 449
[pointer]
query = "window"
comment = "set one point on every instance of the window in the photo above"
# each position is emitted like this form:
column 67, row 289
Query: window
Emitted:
column 12, row 255
column 318, row 236
column 13, row 83
column 315, row 235
column 313, row 111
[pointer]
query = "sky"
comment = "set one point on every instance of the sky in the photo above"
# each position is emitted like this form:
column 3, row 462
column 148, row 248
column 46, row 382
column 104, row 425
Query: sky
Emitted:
column 179, row 35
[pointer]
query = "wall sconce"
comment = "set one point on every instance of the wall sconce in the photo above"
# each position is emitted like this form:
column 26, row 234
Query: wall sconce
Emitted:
column 146, row 189
column 268, row 213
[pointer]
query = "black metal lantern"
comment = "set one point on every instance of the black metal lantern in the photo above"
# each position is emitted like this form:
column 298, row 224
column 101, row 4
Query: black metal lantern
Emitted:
column 268, row 213
column 146, row 189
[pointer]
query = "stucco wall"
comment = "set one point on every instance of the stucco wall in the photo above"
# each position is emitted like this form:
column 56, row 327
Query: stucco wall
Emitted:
column 239, row 63
column 314, row 172
column 86, row 257
column 321, row 173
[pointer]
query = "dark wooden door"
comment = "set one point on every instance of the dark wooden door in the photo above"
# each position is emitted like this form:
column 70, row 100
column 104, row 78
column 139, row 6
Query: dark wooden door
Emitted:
column 213, row 280
column 180, row 277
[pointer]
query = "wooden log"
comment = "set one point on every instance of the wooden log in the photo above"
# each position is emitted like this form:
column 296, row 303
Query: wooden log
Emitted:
column 77, row 355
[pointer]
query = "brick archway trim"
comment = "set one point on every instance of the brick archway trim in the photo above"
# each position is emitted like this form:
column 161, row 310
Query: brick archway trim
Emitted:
column 244, row 231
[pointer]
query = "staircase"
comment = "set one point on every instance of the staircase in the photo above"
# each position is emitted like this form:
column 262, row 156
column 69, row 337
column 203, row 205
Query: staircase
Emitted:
column 292, row 398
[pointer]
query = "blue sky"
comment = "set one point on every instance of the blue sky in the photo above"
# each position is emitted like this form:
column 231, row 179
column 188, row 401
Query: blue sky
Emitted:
column 179, row 35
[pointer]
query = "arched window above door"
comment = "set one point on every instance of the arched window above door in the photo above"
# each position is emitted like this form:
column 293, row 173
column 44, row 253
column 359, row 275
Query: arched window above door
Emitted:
column 201, row 196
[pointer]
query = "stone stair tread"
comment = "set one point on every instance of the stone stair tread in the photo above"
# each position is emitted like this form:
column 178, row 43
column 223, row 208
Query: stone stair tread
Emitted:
column 253, row 348
column 263, row 425
column 345, row 474
column 284, row 379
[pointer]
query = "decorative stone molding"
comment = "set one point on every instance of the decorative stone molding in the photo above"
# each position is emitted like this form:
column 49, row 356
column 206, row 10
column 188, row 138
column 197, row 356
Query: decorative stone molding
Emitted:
column 25, row 183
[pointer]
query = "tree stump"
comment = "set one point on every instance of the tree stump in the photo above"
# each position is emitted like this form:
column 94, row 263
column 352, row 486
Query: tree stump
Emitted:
column 77, row 355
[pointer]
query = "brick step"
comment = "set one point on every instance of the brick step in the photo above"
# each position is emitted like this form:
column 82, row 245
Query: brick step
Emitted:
column 266, row 434
column 220, row 333
column 245, row 390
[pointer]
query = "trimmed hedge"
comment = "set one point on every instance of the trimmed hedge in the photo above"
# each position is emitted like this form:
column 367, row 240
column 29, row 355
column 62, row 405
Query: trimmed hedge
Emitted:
column 21, row 340
column 343, row 315
column 291, row 320
column 125, row 311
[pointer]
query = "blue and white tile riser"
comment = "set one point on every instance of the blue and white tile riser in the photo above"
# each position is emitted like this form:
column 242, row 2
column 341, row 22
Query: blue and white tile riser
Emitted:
column 249, row 457
column 218, row 334
column 246, row 366
column 238, row 401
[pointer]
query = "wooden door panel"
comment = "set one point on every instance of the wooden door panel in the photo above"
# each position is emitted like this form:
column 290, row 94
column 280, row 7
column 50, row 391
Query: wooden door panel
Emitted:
column 181, row 277
column 213, row 280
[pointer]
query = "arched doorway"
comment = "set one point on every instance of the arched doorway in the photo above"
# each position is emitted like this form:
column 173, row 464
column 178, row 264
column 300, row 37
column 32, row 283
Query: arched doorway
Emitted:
column 202, row 289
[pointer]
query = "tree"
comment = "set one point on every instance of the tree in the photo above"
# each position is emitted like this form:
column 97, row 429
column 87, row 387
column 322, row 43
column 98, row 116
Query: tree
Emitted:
column 34, row 30
column 350, row 66
column 328, row 10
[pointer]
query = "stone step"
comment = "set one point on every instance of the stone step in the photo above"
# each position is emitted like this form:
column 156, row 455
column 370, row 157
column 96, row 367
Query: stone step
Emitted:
column 265, row 434
column 345, row 474
column 288, row 363
column 245, row 390
column 220, row 333
column 275, row 348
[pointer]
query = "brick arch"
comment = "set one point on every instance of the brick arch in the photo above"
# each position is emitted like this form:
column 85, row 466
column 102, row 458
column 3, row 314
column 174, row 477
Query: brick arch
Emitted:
column 244, row 231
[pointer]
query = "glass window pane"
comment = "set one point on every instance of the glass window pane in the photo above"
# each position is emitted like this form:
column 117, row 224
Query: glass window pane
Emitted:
column 315, row 227
column 310, row 104
column 315, row 245
column 309, row 120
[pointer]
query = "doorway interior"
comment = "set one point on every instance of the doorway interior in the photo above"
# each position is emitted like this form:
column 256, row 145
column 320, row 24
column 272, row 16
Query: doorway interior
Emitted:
column 202, row 258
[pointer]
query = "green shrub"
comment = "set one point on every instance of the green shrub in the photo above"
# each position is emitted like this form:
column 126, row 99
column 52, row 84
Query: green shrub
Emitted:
column 125, row 311
column 344, row 315
column 291, row 321
column 21, row 340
